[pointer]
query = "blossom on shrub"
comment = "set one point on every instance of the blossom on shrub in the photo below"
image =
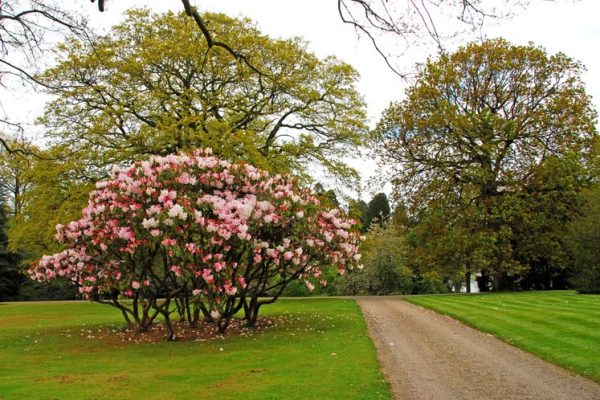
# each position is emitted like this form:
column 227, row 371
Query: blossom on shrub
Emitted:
column 203, row 235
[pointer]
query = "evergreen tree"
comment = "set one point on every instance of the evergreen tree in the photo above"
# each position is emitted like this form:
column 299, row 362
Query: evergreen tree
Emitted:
column 378, row 210
column 10, row 276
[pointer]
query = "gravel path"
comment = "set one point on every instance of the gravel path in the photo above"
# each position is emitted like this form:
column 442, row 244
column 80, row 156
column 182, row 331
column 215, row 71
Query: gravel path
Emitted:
column 425, row 355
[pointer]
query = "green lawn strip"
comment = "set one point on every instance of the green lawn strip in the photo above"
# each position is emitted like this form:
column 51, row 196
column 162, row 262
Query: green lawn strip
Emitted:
column 321, row 351
column 526, row 305
column 536, row 320
column 568, row 335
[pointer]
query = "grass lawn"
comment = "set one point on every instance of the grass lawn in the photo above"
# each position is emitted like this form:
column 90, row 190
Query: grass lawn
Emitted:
column 559, row 326
column 320, row 351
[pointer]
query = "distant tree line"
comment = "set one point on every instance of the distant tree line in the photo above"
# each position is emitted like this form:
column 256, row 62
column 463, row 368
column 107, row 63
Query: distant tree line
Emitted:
column 492, row 155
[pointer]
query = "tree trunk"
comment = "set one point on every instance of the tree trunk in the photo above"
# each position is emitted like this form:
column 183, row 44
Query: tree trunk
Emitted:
column 195, row 317
column 169, row 326
column 483, row 281
column 205, row 313
column 249, row 309
column 468, row 282
column 130, row 325
column 223, row 323
column 253, row 317
column 181, row 310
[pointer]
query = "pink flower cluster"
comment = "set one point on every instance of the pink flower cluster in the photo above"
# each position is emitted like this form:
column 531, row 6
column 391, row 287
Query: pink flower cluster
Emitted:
column 201, row 225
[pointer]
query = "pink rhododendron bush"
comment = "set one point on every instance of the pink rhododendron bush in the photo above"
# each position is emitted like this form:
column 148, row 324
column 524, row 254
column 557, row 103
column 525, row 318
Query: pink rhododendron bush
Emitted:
column 194, row 236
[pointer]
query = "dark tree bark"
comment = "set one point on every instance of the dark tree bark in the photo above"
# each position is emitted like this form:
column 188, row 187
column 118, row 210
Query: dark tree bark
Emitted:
column 468, row 282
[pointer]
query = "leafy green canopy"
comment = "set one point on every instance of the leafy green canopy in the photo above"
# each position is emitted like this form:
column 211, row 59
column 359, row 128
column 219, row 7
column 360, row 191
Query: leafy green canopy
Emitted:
column 491, row 147
column 57, row 194
column 486, row 116
column 153, row 87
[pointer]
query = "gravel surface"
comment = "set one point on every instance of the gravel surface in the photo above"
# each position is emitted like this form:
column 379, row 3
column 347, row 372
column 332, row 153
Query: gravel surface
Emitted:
column 425, row 355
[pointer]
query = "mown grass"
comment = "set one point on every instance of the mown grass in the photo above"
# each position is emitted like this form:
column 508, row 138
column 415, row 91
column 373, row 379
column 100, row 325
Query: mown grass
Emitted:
column 319, row 350
column 559, row 326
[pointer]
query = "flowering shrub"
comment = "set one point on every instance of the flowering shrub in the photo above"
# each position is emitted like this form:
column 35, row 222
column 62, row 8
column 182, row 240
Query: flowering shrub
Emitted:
column 199, row 236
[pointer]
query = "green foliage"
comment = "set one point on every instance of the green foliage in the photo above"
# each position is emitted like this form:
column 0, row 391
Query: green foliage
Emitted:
column 41, row 196
column 58, row 290
column 539, row 218
column 584, row 241
column 73, row 351
column 59, row 191
column 378, row 211
column 558, row 326
column 327, row 197
column 430, row 282
column 441, row 250
column 384, row 258
column 151, row 86
column 14, row 180
column 298, row 288
column 399, row 216
column 353, row 284
column 357, row 209
column 491, row 148
column 10, row 276
column 388, row 268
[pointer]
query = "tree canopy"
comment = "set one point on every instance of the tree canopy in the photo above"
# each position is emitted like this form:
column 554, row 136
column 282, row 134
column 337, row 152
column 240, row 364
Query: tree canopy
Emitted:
column 57, row 190
column 151, row 87
column 500, row 137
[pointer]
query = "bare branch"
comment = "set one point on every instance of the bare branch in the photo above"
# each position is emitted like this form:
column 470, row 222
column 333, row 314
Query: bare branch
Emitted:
column 211, row 42
column 23, row 28
column 418, row 21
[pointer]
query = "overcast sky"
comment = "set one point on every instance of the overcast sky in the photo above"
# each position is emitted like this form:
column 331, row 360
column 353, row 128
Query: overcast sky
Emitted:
column 568, row 26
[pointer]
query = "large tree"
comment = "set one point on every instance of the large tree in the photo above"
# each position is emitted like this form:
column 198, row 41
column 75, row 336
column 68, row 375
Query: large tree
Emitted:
column 476, row 131
column 152, row 86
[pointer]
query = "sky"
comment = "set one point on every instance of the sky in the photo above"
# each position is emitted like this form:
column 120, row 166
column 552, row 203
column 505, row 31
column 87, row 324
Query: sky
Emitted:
column 568, row 26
